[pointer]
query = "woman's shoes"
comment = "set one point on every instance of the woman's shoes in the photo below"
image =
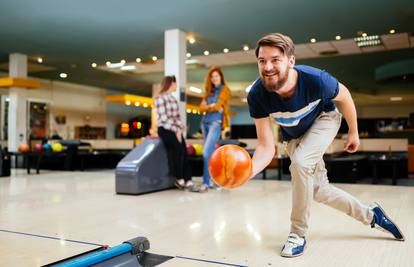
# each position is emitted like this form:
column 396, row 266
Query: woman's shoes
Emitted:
column 191, row 187
column 180, row 184
column 203, row 188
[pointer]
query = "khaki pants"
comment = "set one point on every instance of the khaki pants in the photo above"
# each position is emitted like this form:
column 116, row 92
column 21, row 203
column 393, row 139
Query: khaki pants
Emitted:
column 309, row 175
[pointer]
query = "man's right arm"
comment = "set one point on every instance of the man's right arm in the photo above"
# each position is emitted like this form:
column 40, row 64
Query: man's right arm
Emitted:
column 265, row 149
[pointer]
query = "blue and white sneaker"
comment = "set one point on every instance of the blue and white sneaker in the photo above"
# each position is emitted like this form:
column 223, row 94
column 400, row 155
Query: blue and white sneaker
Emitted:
column 294, row 246
column 384, row 223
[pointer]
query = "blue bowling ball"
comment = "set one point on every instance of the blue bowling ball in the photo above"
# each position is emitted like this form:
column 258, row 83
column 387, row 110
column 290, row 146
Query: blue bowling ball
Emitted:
column 47, row 147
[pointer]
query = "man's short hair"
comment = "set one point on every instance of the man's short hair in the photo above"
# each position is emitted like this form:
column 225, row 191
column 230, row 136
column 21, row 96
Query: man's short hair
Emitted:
column 278, row 40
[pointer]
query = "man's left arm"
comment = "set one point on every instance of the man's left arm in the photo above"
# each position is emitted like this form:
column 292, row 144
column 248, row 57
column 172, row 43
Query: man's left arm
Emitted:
column 346, row 105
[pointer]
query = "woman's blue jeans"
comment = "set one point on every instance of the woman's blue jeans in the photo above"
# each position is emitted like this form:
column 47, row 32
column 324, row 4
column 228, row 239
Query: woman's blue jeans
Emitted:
column 211, row 132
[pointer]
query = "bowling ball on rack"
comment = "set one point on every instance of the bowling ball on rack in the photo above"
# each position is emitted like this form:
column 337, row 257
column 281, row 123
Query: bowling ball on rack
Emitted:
column 57, row 147
column 190, row 150
column 23, row 148
column 47, row 147
column 38, row 147
column 198, row 149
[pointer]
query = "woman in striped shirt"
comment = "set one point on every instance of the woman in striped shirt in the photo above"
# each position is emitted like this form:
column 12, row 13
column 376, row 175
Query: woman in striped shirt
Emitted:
column 170, row 129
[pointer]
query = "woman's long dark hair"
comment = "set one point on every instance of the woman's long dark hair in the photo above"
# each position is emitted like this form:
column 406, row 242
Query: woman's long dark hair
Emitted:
column 166, row 83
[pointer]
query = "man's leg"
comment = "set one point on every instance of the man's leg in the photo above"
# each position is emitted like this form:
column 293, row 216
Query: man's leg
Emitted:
column 305, row 153
column 338, row 199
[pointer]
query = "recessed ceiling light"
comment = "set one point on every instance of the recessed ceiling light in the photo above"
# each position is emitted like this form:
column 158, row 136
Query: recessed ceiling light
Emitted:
column 188, row 55
column 94, row 65
column 191, row 40
column 226, row 50
column 396, row 98
column 127, row 102
column 137, row 104
column 313, row 40
column 154, row 58
column 245, row 47
column 108, row 63
column 123, row 61
column 392, row 31
column 39, row 60
column 338, row 37
column 63, row 75
column 145, row 105
column 206, row 53
column 138, row 60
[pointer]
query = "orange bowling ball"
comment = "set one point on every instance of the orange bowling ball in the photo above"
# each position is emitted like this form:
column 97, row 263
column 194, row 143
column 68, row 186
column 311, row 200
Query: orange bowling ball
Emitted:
column 230, row 166
column 23, row 148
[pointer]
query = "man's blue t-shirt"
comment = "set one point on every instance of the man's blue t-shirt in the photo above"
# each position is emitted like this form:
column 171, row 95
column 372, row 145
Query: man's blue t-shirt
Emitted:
column 314, row 90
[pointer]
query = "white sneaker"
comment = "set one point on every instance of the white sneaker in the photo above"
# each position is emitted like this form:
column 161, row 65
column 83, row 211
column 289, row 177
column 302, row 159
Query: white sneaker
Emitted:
column 294, row 246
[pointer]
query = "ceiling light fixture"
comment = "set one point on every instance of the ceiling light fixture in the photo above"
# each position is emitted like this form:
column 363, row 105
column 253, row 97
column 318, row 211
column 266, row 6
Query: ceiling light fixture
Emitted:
column 191, row 40
column 123, row 61
column 191, row 61
column 392, row 31
column 206, row 53
column 154, row 58
column 94, row 65
column 364, row 34
column 108, row 63
column 195, row 90
column 245, row 47
column 188, row 55
column 366, row 41
column 128, row 67
column 396, row 98
column 127, row 102
column 115, row 65
column 226, row 50
column 138, row 60
column 338, row 37
column 313, row 40
column 40, row 60
column 63, row 75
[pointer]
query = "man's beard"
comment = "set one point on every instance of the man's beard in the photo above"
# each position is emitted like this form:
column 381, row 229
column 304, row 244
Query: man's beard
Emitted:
column 275, row 86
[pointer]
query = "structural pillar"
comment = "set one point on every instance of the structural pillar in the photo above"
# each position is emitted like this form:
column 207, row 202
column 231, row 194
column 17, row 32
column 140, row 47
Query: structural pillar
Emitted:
column 17, row 117
column 174, row 59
